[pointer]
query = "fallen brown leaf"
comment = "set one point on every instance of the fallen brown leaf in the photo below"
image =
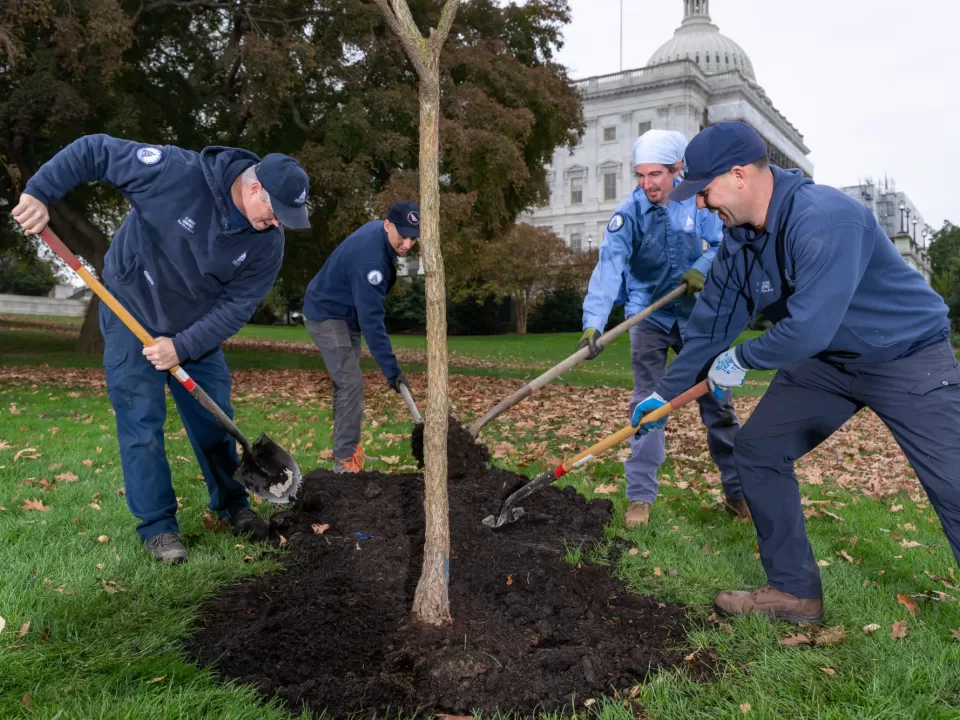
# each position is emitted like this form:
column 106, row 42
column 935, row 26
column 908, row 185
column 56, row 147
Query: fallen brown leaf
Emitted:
column 823, row 563
column 898, row 630
column 23, row 453
column 24, row 629
column 910, row 543
column 155, row 680
column 909, row 603
column 605, row 489
column 103, row 539
column 319, row 529
column 793, row 639
column 896, row 508
column 88, row 463
column 846, row 556
column 283, row 540
column 390, row 460
column 509, row 579
column 325, row 454
column 212, row 522
column 829, row 671
column 830, row 636
column 67, row 477
column 27, row 701
column 3, row 623
column 34, row 505
column 956, row 634
column 656, row 571
column 745, row 708
column 870, row 629
column 634, row 551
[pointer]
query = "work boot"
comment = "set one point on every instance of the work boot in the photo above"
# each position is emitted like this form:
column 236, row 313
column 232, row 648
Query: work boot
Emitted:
column 167, row 548
column 774, row 604
column 739, row 509
column 638, row 514
column 352, row 464
column 246, row 522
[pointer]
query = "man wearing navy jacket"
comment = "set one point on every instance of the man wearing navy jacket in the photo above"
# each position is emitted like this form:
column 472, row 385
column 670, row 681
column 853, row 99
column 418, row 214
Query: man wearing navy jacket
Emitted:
column 199, row 250
column 854, row 327
column 344, row 300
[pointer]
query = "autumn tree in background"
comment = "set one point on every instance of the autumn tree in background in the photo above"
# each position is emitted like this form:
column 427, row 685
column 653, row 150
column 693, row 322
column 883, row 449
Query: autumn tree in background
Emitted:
column 945, row 264
column 526, row 262
column 326, row 81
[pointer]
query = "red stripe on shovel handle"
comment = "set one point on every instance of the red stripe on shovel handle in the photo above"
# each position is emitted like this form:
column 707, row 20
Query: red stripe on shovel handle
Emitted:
column 56, row 244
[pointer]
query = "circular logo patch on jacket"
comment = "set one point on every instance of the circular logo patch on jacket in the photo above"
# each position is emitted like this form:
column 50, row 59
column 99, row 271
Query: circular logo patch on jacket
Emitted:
column 149, row 155
column 374, row 277
column 616, row 222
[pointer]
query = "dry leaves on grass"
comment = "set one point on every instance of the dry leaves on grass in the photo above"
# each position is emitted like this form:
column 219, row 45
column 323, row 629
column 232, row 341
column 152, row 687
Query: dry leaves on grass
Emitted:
column 34, row 505
column 67, row 477
column 212, row 522
column 956, row 634
column 745, row 708
column 898, row 630
column 909, row 603
column 870, row 629
column 605, row 489
column 23, row 454
column 24, row 629
column 112, row 587
column 3, row 623
column 818, row 636
column 155, row 680
column 829, row 671
column 325, row 454
column 390, row 460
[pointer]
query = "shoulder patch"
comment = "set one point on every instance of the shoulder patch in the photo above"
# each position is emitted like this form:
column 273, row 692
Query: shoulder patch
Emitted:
column 616, row 222
column 374, row 277
column 149, row 155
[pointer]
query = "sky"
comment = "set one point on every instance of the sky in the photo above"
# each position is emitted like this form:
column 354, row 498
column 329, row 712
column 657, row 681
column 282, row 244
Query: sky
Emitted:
column 872, row 85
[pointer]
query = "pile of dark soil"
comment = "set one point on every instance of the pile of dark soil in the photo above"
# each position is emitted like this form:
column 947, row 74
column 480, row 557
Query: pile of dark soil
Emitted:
column 530, row 631
column 464, row 455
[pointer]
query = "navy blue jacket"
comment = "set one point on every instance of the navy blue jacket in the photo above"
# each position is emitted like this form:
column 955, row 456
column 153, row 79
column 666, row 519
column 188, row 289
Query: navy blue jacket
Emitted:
column 850, row 296
column 176, row 263
column 352, row 285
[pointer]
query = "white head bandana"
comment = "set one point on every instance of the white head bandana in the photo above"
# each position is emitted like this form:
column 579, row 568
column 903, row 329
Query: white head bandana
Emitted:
column 665, row 147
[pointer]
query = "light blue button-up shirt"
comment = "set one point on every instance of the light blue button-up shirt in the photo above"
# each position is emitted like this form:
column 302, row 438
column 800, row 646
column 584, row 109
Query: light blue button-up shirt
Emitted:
column 646, row 250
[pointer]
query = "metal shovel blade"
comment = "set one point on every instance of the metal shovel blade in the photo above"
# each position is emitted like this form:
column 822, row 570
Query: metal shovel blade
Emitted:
column 508, row 515
column 509, row 512
column 270, row 472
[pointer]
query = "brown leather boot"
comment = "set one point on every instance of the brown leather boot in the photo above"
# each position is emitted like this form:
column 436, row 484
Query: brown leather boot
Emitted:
column 770, row 602
column 638, row 514
column 739, row 509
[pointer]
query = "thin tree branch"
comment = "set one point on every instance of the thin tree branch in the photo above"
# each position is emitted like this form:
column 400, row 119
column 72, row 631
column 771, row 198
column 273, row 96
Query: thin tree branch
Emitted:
column 439, row 36
column 401, row 22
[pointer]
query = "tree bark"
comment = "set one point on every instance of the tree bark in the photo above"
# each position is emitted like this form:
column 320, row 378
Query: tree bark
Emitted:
column 520, row 306
column 431, row 602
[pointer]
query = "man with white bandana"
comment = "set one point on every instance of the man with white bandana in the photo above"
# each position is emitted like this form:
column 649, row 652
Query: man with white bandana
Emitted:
column 649, row 247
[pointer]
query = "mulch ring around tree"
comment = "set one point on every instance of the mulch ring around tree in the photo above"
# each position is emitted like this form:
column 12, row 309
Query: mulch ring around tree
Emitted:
column 530, row 630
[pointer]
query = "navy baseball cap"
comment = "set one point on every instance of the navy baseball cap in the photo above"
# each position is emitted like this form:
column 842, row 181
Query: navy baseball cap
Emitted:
column 288, row 185
column 406, row 216
column 714, row 151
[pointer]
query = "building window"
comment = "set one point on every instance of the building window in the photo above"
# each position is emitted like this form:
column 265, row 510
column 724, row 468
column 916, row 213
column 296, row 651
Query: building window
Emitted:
column 610, row 134
column 718, row 58
column 707, row 56
column 576, row 242
column 643, row 127
column 576, row 191
column 609, row 186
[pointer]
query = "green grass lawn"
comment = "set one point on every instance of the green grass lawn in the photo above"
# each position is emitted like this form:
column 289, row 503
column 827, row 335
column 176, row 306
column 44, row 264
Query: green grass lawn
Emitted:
column 106, row 623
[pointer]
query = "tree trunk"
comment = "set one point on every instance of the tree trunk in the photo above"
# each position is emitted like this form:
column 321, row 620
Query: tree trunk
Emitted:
column 520, row 308
column 90, row 341
column 431, row 603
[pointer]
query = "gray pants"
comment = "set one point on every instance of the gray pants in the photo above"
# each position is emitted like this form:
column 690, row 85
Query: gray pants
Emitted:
column 648, row 354
column 340, row 348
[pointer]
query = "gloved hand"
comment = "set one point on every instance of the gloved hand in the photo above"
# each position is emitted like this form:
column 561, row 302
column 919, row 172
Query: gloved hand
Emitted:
column 589, row 339
column 726, row 372
column 648, row 406
column 395, row 381
column 694, row 280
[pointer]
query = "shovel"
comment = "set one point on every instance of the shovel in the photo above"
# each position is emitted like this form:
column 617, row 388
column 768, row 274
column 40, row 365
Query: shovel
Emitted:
column 266, row 469
column 509, row 512
column 579, row 356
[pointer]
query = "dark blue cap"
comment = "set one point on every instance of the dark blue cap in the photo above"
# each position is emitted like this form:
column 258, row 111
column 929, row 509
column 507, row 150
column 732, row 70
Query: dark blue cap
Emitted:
column 288, row 185
column 406, row 216
column 714, row 151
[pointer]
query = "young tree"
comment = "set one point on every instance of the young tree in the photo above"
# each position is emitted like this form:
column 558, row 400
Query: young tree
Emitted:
column 431, row 603
column 526, row 262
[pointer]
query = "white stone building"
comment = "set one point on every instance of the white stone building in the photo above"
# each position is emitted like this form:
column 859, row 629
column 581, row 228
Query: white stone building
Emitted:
column 696, row 78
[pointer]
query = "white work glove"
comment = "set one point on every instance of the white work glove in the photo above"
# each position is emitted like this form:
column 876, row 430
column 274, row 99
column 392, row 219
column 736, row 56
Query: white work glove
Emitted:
column 726, row 372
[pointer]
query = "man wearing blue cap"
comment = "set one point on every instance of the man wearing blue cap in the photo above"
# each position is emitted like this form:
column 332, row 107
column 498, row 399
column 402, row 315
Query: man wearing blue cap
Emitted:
column 200, row 249
column 650, row 246
column 344, row 300
column 854, row 327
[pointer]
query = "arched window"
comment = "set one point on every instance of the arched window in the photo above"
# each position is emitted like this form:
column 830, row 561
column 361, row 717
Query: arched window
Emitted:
column 698, row 58
column 707, row 56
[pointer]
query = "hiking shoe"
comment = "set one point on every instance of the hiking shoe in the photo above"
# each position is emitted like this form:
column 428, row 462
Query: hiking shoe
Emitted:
column 352, row 464
column 774, row 604
column 739, row 509
column 246, row 522
column 638, row 514
column 167, row 548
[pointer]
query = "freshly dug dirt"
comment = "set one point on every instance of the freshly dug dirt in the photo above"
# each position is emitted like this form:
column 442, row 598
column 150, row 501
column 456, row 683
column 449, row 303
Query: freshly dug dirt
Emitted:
column 530, row 630
column 464, row 454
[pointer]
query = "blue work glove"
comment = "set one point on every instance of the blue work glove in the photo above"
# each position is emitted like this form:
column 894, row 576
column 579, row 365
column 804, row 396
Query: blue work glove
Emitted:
column 726, row 372
column 648, row 406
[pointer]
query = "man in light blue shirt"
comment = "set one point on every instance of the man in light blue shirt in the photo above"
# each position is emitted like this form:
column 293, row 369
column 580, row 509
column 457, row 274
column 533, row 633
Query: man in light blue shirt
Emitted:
column 650, row 246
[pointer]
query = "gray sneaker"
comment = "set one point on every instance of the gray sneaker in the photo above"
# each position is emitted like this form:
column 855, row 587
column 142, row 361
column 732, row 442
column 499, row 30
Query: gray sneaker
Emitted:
column 167, row 548
column 246, row 522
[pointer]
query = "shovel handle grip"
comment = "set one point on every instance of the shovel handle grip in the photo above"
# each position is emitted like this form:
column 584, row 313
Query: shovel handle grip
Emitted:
column 56, row 244
column 698, row 390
